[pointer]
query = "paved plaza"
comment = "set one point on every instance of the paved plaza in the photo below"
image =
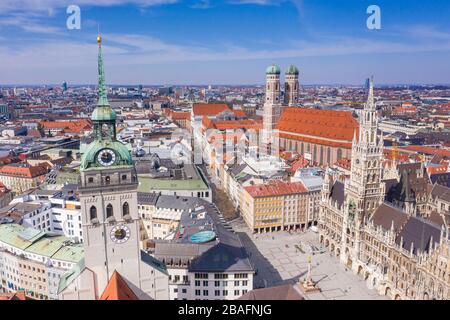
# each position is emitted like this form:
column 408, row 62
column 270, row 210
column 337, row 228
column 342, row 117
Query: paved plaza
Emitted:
column 279, row 259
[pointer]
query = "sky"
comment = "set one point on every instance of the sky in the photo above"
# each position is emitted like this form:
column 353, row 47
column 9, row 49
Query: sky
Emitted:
column 213, row 42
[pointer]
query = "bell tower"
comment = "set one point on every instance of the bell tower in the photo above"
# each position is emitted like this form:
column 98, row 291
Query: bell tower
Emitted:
column 108, row 196
column 272, row 104
column 291, row 86
column 364, row 191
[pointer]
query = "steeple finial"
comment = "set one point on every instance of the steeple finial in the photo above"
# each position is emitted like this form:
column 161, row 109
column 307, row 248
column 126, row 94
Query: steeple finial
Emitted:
column 102, row 93
column 370, row 100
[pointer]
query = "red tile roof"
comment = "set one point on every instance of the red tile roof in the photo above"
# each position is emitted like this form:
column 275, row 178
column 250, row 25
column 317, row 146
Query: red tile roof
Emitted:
column 23, row 170
column 344, row 163
column 72, row 126
column 18, row 295
column 118, row 289
column 231, row 124
column 208, row 109
column 428, row 150
column 175, row 115
column 276, row 188
column 326, row 127
column 239, row 113
column 300, row 163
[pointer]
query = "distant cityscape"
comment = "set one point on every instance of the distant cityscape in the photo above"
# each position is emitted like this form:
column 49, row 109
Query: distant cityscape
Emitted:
column 275, row 191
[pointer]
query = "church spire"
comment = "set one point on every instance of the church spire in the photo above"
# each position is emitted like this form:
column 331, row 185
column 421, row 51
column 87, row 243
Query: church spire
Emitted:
column 370, row 99
column 102, row 92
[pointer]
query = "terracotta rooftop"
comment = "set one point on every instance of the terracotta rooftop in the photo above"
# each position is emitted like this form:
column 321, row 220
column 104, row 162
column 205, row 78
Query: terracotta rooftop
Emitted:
column 328, row 127
column 429, row 150
column 208, row 109
column 231, row 124
column 73, row 126
column 178, row 115
column 23, row 170
column 239, row 113
column 276, row 188
column 118, row 289
column 18, row 295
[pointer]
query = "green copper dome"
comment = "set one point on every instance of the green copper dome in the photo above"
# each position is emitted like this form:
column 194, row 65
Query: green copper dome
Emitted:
column 90, row 153
column 292, row 70
column 103, row 113
column 273, row 69
column 105, row 151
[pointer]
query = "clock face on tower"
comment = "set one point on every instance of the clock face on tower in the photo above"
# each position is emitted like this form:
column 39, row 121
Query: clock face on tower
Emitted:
column 106, row 157
column 120, row 234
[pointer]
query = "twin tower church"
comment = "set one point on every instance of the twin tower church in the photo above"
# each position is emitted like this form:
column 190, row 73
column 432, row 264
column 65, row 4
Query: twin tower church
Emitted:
column 110, row 221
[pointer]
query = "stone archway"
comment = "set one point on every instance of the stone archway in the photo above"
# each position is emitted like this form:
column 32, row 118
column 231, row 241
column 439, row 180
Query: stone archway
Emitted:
column 360, row 270
column 397, row 297
column 349, row 263
column 321, row 239
column 338, row 252
column 327, row 243
column 426, row 296
column 387, row 292
column 332, row 247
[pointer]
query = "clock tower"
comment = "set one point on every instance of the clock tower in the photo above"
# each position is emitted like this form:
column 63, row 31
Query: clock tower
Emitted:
column 364, row 191
column 108, row 196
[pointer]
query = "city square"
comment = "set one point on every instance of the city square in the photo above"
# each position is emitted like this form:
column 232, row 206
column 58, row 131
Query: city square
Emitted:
column 279, row 261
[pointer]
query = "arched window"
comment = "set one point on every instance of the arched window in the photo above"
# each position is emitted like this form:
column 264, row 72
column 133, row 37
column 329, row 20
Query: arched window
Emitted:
column 93, row 213
column 109, row 210
column 328, row 155
column 125, row 209
column 339, row 154
column 105, row 130
column 321, row 154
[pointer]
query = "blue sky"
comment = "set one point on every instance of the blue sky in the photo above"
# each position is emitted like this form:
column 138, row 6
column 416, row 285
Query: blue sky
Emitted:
column 224, row 41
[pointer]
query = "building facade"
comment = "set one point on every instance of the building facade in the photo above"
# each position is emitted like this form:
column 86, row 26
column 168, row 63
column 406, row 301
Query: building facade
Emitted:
column 110, row 220
column 22, row 177
column 34, row 260
column 279, row 206
column 398, row 253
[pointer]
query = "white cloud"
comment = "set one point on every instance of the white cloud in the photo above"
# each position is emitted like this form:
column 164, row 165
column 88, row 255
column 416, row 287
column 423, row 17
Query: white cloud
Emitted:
column 27, row 24
column 135, row 50
column 125, row 55
column 48, row 6
column 427, row 32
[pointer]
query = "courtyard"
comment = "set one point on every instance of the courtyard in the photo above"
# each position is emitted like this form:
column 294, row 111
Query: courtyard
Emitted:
column 282, row 258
